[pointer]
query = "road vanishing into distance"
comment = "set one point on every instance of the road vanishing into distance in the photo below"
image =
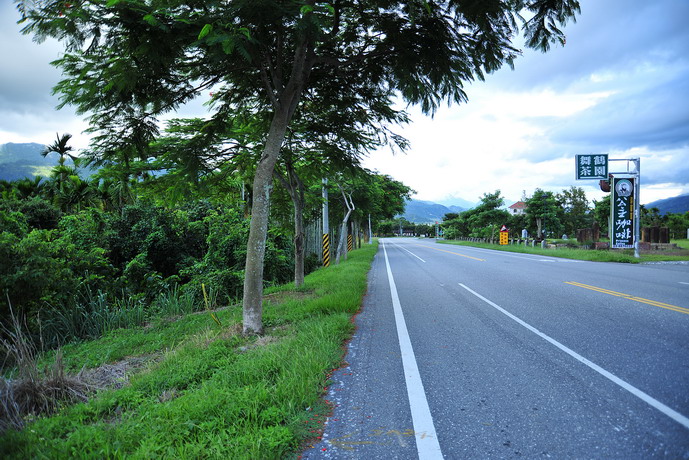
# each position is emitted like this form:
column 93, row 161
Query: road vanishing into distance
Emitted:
column 467, row 353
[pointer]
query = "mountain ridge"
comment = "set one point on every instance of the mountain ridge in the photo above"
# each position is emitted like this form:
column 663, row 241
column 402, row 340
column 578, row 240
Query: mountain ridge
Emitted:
column 676, row 205
column 427, row 212
column 20, row 160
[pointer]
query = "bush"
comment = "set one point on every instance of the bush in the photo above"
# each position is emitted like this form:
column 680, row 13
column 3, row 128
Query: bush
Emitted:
column 40, row 213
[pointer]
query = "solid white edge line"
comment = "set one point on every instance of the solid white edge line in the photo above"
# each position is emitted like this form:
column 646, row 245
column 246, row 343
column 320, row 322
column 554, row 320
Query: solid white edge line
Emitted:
column 426, row 438
column 682, row 282
column 673, row 414
column 531, row 257
column 404, row 249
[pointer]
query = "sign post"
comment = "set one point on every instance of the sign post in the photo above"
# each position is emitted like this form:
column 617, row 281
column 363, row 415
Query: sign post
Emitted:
column 634, row 180
column 625, row 189
column 504, row 236
column 622, row 218
column 592, row 166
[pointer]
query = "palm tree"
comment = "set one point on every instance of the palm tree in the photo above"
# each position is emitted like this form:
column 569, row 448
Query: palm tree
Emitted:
column 76, row 194
column 27, row 188
column 61, row 148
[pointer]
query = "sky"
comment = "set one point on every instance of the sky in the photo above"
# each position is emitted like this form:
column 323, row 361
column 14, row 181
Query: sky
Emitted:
column 620, row 86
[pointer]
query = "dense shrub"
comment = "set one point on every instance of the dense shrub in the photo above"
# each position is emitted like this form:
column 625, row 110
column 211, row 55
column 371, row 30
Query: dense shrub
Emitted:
column 40, row 213
column 85, row 273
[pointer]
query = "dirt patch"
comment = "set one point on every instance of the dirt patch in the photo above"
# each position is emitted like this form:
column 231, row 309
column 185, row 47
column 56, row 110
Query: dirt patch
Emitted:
column 667, row 252
column 115, row 375
column 260, row 342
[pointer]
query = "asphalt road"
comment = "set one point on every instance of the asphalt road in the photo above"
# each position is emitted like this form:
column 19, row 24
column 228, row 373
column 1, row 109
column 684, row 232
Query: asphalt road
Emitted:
column 469, row 353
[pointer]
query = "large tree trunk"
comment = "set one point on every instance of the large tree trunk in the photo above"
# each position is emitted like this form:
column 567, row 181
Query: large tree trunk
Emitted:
column 258, row 230
column 284, row 107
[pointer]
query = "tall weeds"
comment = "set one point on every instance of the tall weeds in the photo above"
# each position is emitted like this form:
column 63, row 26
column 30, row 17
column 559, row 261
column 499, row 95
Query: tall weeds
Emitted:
column 32, row 391
column 175, row 302
column 89, row 315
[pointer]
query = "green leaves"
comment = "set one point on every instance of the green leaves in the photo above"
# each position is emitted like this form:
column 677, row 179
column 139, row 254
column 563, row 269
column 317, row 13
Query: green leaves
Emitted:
column 208, row 28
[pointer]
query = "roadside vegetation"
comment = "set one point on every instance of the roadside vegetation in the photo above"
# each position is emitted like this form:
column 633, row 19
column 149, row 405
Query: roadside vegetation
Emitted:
column 297, row 94
column 543, row 215
column 622, row 256
column 198, row 388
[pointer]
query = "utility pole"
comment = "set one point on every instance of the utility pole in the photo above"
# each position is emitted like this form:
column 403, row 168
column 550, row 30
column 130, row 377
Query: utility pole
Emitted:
column 326, row 225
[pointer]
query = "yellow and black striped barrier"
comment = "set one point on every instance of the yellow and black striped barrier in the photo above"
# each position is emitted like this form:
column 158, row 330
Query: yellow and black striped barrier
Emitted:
column 350, row 243
column 326, row 250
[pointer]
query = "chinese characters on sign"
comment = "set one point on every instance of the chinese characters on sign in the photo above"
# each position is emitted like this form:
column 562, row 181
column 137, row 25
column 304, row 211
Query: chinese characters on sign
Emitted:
column 592, row 166
column 622, row 210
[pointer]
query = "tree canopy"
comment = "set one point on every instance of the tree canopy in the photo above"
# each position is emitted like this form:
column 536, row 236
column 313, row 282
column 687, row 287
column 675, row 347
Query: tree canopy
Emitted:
column 127, row 62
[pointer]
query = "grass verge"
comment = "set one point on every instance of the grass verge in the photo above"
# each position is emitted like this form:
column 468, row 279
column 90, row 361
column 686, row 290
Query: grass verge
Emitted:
column 684, row 244
column 211, row 393
column 621, row 256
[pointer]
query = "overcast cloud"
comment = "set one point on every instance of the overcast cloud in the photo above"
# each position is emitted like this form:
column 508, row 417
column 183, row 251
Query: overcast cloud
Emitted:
column 620, row 86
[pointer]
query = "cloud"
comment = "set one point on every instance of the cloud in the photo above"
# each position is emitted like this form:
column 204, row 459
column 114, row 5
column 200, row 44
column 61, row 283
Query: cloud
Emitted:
column 652, row 116
column 27, row 78
column 27, row 107
column 609, row 36
column 619, row 85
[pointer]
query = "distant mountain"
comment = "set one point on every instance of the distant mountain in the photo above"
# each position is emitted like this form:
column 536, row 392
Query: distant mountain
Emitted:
column 427, row 212
column 455, row 202
column 457, row 209
column 676, row 205
column 18, row 161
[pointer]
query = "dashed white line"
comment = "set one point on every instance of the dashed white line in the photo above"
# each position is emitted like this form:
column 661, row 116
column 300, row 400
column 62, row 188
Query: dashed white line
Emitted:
column 427, row 446
column 673, row 414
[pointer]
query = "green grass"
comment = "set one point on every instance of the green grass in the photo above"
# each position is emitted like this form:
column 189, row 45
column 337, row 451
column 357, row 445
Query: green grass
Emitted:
column 622, row 256
column 684, row 244
column 212, row 393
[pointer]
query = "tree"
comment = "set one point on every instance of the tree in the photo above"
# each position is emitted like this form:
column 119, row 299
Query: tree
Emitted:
column 61, row 148
column 576, row 209
column 425, row 229
column 485, row 219
column 129, row 61
column 543, row 209
column 332, row 135
column 678, row 224
column 601, row 212
column 61, row 172
column 651, row 217
column 349, row 204
column 455, row 225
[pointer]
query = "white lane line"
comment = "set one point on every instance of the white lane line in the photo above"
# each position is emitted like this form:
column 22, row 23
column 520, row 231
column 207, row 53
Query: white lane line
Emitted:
column 426, row 445
column 673, row 414
column 682, row 282
column 404, row 249
column 531, row 257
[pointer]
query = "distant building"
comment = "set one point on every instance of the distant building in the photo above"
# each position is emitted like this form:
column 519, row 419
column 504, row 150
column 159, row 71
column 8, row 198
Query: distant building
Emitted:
column 518, row 208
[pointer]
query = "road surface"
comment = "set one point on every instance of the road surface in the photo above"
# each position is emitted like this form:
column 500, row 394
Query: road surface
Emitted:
column 471, row 353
